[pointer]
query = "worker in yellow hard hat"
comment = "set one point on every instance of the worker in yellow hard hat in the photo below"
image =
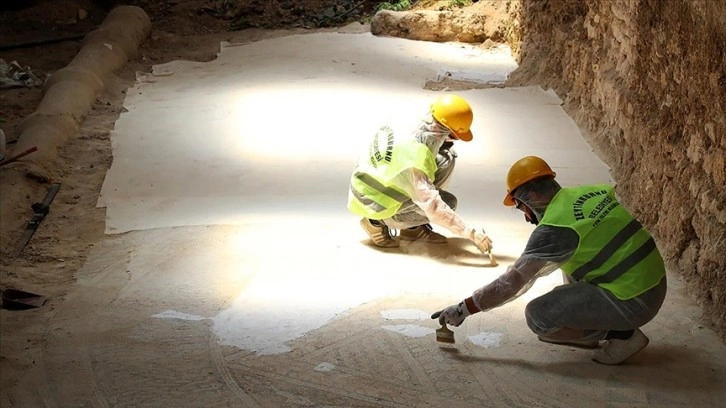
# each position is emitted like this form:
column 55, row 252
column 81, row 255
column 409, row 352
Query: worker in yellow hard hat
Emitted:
column 615, row 280
column 399, row 182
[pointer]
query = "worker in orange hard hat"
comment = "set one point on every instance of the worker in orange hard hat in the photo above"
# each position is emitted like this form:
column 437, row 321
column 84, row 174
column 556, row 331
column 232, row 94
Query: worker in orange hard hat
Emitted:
column 615, row 280
column 399, row 182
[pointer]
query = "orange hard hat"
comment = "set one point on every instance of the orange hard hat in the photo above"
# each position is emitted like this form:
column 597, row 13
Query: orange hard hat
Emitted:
column 455, row 114
column 524, row 170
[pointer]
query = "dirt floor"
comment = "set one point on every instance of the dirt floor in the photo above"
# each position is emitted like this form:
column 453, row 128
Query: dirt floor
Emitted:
column 45, row 36
column 50, row 263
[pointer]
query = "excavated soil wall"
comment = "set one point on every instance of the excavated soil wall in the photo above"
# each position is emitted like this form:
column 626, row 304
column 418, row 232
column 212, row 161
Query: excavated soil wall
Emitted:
column 646, row 81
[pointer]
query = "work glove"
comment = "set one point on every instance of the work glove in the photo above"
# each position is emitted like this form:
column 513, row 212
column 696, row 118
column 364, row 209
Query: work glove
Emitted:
column 481, row 240
column 454, row 315
column 448, row 145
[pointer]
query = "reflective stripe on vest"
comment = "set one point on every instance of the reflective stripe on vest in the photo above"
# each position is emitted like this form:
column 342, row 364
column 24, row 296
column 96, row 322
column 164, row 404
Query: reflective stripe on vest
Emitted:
column 380, row 188
column 608, row 250
column 627, row 263
column 614, row 251
column 374, row 184
column 372, row 192
column 373, row 206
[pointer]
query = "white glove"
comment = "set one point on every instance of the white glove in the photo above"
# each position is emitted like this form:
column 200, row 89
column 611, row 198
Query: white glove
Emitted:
column 481, row 240
column 454, row 315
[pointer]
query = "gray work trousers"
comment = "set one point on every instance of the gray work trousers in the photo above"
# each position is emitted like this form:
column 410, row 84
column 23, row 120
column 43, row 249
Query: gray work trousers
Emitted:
column 583, row 306
column 411, row 215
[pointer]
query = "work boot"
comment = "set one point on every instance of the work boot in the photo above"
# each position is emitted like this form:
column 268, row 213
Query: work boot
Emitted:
column 615, row 351
column 423, row 233
column 379, row 233
column 585, row 344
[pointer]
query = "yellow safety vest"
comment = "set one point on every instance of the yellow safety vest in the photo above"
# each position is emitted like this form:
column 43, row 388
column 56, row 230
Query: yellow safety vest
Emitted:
column 615, row 252
column 372, row 192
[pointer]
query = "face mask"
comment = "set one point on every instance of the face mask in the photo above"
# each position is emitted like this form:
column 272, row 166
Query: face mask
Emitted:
column 531, row 218
column 448, row 144
column 530, row 215
column 431, row 134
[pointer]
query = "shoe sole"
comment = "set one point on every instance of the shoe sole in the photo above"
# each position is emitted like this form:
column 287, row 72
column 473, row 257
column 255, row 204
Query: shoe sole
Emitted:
column 586, row 346
column 617, row 362
column 377, row 235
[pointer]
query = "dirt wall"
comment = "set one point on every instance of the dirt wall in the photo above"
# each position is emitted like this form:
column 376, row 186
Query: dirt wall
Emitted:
column 646, row 81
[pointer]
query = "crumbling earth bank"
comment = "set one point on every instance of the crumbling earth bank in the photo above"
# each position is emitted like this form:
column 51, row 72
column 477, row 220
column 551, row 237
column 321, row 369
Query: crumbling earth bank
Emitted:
column 477, row 23
column 205, row 16
column 647, row 80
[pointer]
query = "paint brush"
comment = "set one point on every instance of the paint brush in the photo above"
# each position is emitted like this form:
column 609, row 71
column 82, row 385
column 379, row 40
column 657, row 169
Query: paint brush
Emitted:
column 444, row 335
column 492, row 261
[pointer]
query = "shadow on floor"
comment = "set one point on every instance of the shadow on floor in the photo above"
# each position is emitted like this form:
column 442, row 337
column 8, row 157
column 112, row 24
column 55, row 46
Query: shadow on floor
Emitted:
column 458, row 251
column 660, row 366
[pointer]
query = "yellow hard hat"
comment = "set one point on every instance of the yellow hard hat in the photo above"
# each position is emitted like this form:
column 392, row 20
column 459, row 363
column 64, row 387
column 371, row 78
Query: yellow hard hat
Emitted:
column 524, row 170
column 454, row 113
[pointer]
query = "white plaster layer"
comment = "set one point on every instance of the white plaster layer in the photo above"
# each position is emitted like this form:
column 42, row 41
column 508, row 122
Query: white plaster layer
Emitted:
column 263, row 140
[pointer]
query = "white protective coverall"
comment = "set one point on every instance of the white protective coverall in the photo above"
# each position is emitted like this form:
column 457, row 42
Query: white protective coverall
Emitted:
column 427, row 196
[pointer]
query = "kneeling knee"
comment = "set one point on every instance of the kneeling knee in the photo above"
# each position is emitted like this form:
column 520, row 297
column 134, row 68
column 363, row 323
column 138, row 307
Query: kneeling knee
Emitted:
column 537, row 321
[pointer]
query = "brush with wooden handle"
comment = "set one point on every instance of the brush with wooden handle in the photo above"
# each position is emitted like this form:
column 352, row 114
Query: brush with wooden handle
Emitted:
column 443, row 334
column 492, row 261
